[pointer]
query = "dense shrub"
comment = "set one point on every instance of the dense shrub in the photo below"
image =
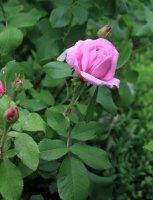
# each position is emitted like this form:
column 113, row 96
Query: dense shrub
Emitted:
column 45, row 153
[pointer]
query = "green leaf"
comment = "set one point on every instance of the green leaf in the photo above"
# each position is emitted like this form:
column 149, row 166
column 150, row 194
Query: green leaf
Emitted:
column 11, row 182
column 142, row 30
column 18, row 125
column 57, row 70
column 10, row 39
column 28, row 150
column 149, row 146
column 25, row 171
column 10, row 153
column 33, row 122
column 72, row 181
column 12, row 10
column 44, row 96
column 80, row 14
column 131, row 76
column 47, row 45
column 126, row 50
column 48, row 166
column 54, row 83
column 33, row 104
column 62, row 56
column 92, row 156
column 60, row 17
column 104, row 97
column 57, row 122
column 85, row 131
column 126, row 93
column 82, row 108
column 52, row 149
column 101, row 186
column 91, row 106
column 29, row 19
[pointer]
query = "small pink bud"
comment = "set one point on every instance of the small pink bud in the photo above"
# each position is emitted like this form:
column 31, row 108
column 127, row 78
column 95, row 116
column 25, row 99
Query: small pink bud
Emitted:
column 104, row 31
column 12, row 114
column 18, row 81
column 2, row 90
column 108, row 29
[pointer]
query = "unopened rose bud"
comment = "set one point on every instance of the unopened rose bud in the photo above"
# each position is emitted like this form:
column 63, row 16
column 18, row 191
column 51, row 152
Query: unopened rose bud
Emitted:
column 2, row 90
column 12, row 114
column 104, row 31
column 18, row 81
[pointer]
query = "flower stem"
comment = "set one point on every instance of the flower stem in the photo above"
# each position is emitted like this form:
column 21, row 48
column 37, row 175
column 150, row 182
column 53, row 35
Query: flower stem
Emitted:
column 3, row 140
column 68, row 139
column 74, row 99
column 77, row 92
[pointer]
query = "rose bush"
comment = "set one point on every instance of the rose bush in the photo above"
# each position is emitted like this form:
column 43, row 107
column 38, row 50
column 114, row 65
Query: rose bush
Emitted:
column 95, row 61
column 60, row 142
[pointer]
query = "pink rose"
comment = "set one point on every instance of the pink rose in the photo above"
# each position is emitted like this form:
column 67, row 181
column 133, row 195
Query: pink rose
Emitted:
column 95, row 61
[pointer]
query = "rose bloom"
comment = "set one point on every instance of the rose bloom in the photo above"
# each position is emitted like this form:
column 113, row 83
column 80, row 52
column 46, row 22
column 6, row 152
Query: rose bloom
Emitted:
column 95, row 61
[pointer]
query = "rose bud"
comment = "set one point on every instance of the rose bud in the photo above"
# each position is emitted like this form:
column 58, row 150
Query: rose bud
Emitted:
column 104, row 31
column 95, row 61
column 17, row 86
column 18, row 81
column 12, row 114
column 2, row 90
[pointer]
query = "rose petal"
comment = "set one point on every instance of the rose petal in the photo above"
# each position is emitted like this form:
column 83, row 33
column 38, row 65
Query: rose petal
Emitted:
column 111, row 71
column 101, row 70
column 85, row 58
column 72, row 53
column 70, row 56
column 95, row 81
column 102, row 42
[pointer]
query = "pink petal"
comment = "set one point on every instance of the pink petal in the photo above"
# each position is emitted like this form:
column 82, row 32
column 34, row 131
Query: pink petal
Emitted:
column 85, row 58
column 72, row 53
column 102, row 68
column 70, row 56
column 102, row 42
column 95, row 81
column 111, row 71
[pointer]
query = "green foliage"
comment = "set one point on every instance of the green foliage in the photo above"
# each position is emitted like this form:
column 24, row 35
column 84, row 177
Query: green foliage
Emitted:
column 149, row 146
column 11, row 182
column 10, row 39
column 52, row 149
column 92, row 156
column 30, row 122
column 28, row 150
column 60, row 17
column 85, row 131
column 73, row 182
column 57, row 70
column 126, row 49
column 57, row 121
column 91, row 148
column 130, row 137
column 104, row 97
